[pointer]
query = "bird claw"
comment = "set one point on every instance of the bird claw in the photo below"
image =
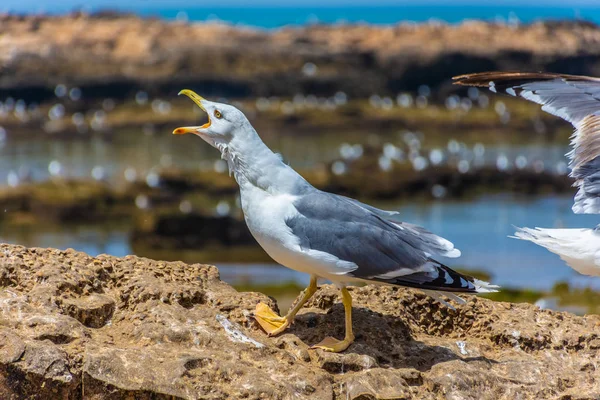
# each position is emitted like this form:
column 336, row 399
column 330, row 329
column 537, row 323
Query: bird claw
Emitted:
column 271, row 322
column 333, row 345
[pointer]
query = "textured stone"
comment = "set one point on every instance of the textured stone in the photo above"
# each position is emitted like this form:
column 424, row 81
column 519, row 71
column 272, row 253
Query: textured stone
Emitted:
column 74, row 326
column 93, row 311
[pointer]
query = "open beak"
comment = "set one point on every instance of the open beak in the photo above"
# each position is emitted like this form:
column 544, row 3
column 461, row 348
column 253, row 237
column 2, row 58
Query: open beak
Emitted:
column 198, row 100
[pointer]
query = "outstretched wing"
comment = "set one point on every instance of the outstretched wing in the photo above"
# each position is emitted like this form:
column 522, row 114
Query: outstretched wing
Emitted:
column 383, row 251
column 575, row 99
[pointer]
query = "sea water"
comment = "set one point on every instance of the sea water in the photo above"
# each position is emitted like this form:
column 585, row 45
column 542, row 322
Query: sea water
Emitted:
column 267, row 15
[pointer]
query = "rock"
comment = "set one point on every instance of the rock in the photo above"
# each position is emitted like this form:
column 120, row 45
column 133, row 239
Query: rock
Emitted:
column 11, row 347
column 75, row 326
column 173, row 229
column 92, row 311
column 366, row 179
column 390, row 384
column 63, row 200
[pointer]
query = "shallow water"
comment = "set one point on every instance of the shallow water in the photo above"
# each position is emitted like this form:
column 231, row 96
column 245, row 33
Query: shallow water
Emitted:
column 479, row 228
column 140, row 153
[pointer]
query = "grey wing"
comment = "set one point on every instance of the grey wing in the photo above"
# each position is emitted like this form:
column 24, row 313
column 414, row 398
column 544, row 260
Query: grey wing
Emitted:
column 382, row 213
column 573, row 98
column 382, row 250
column 421, row 238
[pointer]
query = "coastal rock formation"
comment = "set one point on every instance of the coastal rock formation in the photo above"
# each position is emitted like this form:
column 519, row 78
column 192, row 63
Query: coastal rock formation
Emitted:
column 74, row 326
column 112, row 55
column 63, row 200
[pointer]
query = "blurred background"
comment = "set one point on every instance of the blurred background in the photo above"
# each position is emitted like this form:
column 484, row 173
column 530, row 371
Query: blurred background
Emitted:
column 355, row 95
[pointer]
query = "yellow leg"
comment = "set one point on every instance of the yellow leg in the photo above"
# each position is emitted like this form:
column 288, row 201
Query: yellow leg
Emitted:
column 331, row 343
column 272, row 323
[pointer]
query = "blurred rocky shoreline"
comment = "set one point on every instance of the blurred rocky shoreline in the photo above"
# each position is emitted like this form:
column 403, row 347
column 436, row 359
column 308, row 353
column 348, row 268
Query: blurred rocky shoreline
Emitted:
column 116, row 55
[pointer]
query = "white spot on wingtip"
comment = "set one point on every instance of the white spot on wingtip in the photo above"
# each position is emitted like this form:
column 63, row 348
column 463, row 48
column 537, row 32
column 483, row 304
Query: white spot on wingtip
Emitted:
column 511, row 91
column 454, row 253
column 448, row 278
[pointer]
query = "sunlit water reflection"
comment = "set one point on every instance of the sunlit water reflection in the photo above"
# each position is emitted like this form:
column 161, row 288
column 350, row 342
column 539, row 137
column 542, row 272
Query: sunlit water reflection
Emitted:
column 480, row 228
column 134, row 154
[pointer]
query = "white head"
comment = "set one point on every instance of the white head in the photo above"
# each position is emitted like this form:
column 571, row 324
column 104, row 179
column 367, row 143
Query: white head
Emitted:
column 226, row 124
column 249, row 159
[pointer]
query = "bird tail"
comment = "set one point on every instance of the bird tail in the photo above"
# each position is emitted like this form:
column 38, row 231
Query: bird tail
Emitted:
column 484, row 287
column 552, row 239
column 441, row 278
column 572, row 245
column 532, row 235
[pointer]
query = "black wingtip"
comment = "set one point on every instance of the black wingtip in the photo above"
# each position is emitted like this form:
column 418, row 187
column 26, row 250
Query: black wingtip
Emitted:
column 447, row 280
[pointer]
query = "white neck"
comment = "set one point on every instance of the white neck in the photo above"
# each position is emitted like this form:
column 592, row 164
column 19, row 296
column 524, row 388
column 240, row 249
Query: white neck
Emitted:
column 254, row 164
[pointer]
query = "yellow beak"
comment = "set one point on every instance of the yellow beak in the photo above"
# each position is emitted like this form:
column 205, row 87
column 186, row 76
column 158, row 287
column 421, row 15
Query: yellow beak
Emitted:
column 198, row 100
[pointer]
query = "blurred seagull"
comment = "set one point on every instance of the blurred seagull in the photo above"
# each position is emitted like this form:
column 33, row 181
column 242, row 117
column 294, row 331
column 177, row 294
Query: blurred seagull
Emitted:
column 575, row 99
column 579, row 248
column 323, row 234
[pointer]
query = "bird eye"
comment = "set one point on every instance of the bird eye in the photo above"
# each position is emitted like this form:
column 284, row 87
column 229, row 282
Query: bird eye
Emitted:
column 218, row 114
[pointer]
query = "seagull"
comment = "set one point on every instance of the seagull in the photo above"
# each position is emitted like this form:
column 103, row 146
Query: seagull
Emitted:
column 323, row 234
column 575, row 99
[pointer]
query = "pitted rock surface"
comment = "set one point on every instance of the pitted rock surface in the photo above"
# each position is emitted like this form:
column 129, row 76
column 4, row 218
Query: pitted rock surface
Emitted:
column 79, row 327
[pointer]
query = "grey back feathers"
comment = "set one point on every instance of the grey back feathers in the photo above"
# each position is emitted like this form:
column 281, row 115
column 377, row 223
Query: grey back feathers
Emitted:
column 384, row 251
column 575, row 99
column 422, row 238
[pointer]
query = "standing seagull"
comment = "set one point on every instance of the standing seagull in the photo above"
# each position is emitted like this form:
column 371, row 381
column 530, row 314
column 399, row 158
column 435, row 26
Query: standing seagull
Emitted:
column 323, row 234
column 575, row 99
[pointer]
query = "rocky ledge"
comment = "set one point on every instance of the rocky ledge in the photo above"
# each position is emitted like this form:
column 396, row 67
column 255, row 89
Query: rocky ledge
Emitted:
column 74, row 326
column 114, row 55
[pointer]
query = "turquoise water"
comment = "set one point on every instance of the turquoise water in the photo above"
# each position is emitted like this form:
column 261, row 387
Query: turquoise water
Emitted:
column 274, row 17
column 277, row 17
column 479, row 228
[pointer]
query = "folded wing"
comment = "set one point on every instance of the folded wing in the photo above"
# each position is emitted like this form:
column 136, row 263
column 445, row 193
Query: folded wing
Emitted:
column 391, row 252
